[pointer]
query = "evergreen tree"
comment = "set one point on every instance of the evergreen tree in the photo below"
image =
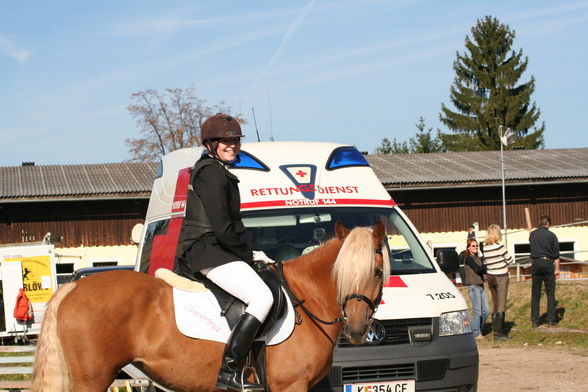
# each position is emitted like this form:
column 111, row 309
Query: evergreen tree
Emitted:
column 486, row 95
column 392, row 147
column 423, row 141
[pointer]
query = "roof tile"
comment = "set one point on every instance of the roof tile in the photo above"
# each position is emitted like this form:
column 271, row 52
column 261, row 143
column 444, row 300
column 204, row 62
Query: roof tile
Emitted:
column 480, row 166
column 133, row 178
column 22, row 182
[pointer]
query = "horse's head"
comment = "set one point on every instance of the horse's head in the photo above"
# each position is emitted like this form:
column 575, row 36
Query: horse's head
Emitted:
column 359, row 273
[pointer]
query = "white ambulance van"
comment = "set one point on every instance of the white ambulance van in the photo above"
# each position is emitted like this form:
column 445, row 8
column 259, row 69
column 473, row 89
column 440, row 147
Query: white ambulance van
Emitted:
column 292, row 193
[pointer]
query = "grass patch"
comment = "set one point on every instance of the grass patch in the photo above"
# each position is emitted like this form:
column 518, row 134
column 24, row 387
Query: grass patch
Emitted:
column 571, row 315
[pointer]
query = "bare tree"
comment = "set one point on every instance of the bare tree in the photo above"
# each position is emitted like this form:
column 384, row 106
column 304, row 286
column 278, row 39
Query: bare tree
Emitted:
column 168, row 121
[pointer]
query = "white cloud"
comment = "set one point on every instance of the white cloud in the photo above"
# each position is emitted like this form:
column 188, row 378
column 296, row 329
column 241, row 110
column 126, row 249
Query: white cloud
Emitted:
column 329, row 75
column 172, row 24
column 285, row 39
column 572, row 8
column 12, row 50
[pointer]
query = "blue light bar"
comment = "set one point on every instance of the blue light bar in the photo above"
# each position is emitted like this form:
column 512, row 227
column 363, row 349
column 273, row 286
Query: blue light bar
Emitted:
column 248, row 161
column 346, row 157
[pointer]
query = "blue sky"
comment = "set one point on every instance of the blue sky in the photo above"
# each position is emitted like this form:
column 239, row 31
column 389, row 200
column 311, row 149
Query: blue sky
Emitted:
column 339, row 70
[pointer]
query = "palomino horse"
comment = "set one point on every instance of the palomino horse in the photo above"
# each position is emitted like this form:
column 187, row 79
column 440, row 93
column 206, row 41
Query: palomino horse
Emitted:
column 97, row 325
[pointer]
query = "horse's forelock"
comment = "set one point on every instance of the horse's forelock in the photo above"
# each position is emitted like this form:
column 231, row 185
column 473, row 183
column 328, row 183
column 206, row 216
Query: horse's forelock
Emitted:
column 355, row 262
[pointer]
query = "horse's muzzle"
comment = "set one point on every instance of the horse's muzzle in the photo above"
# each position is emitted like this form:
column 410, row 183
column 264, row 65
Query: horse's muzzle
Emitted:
column 357, row 335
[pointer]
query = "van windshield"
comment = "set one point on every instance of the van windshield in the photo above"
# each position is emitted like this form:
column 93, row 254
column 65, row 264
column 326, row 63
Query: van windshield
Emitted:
column 288, row 233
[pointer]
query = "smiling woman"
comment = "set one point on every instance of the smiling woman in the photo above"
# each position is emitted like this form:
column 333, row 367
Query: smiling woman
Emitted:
column 228, row 149
column 213, row 244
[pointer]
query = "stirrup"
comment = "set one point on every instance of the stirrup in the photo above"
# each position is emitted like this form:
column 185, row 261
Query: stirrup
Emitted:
column 249, row 366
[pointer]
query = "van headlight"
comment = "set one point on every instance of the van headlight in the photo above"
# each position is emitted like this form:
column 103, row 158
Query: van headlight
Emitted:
column 454, row 323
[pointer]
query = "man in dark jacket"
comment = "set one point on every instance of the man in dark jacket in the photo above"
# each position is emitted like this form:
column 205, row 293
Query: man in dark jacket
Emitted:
column 545, row 265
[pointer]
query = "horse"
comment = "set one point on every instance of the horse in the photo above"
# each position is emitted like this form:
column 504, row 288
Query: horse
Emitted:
column 95, row 326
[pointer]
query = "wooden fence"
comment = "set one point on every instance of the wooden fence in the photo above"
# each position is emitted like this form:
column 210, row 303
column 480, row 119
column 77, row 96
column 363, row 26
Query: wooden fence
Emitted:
column 21, row 363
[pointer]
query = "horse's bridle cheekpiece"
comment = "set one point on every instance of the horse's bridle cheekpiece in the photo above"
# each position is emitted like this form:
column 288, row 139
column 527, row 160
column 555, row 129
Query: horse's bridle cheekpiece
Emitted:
column 360, row 297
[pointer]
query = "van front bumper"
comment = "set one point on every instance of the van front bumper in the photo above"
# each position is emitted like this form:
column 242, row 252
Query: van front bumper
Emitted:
column 446, row 364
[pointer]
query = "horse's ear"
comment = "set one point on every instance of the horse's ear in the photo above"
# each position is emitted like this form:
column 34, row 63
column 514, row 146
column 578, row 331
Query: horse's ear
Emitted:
column 340, row 230
column 379, row 232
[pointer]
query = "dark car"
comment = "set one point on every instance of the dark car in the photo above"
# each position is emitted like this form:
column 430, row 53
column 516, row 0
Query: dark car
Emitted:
column 83, row 272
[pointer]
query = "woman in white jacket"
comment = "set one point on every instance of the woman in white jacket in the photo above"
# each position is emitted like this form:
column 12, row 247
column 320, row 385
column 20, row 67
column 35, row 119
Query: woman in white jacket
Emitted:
column 497, row 259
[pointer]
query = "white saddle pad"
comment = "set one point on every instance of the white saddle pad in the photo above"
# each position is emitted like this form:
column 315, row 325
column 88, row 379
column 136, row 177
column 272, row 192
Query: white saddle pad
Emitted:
column 198, row 316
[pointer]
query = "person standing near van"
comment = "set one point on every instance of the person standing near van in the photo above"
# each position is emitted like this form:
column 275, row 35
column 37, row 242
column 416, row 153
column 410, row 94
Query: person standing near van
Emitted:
column 213, row 244
column 474, row 270
column 545, row 265
column 497, row 259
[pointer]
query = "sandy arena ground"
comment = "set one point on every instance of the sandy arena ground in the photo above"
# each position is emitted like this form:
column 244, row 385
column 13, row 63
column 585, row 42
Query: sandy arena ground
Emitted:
column 537, row 368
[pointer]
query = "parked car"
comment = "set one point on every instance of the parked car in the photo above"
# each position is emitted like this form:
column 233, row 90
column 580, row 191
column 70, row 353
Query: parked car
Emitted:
column 83, row 272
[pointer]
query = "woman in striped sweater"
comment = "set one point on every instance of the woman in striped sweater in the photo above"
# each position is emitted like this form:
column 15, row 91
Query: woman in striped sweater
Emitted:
column 497, row 259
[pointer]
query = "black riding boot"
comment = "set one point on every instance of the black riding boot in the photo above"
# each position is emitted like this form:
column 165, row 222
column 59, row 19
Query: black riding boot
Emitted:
column 498, row 325
column 239, row 344
column 503, row 328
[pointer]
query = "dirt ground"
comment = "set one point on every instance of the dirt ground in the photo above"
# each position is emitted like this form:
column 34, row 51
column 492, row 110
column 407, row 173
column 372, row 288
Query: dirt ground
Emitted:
column 511, row 369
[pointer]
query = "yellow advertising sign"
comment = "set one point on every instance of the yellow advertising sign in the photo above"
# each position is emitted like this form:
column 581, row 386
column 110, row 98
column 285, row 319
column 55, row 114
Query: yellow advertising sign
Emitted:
column 36, row 277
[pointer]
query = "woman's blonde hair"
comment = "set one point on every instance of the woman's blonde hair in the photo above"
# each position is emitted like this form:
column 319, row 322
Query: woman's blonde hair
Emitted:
column 492, row 235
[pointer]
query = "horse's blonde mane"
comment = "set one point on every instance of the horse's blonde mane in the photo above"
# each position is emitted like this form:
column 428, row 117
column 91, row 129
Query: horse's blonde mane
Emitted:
column 355, row 262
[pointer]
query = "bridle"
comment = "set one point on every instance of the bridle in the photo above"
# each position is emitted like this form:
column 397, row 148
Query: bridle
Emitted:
column 360, row 297
column 296, row 302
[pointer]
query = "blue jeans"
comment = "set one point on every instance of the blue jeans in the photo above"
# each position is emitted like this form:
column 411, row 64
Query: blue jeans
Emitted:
column 480, row 307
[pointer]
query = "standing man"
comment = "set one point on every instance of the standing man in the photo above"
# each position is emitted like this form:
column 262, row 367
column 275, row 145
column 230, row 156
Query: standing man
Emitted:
column 545, row 261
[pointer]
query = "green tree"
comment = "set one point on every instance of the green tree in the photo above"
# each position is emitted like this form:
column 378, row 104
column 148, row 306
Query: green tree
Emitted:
column 424, row 141
column 486, row 95
column 392, row 147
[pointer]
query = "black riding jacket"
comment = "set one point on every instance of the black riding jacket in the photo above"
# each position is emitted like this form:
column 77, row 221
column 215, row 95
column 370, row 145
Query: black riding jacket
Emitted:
column 212, row 232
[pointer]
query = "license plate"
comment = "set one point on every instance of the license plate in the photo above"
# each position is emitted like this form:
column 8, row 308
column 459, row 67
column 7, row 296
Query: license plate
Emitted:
column 389, row 386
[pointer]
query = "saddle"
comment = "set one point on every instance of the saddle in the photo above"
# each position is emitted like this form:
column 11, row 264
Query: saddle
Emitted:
column 233, row 308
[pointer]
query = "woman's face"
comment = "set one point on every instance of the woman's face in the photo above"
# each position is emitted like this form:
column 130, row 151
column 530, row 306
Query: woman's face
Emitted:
column 228, row 148
column 474, row 247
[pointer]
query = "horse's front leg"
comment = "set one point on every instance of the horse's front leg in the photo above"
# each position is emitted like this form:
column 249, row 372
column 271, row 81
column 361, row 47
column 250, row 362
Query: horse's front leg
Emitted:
column 300, row 362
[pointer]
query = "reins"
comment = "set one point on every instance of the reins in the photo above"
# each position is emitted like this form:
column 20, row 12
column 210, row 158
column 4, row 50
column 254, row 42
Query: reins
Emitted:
column 296, row 302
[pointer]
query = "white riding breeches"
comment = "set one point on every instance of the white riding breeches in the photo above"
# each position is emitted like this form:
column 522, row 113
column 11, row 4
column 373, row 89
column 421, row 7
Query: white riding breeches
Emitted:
column 240, row 280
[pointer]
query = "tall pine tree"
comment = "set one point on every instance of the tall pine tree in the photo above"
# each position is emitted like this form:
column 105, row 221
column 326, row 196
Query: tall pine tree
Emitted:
column 486, row 95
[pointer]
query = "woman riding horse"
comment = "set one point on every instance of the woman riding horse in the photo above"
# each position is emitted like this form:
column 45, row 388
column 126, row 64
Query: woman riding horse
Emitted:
column 95, row 326
column 211, row 237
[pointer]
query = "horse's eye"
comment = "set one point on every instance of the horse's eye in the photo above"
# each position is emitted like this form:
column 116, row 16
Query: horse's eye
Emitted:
column 378, row 273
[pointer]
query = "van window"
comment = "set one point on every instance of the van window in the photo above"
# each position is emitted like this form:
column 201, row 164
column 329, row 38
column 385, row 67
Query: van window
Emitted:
column 285, row 234
column 153, row 229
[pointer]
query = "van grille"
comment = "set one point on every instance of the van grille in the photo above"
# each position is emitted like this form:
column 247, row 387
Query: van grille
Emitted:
column 429, row 370
column 432, row 370
column 396, row 331
column 375, row 373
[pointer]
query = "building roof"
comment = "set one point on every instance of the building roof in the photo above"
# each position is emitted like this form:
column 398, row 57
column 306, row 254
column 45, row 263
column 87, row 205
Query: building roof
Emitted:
column 480, row 167
column 30, row 182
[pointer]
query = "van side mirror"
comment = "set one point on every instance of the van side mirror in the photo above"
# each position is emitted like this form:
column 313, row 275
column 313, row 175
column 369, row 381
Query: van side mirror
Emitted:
column 136, row 233
column 448, row 260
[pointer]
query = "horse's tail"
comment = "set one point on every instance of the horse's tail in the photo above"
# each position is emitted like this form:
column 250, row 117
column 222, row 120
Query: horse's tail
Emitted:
column 51, row 373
